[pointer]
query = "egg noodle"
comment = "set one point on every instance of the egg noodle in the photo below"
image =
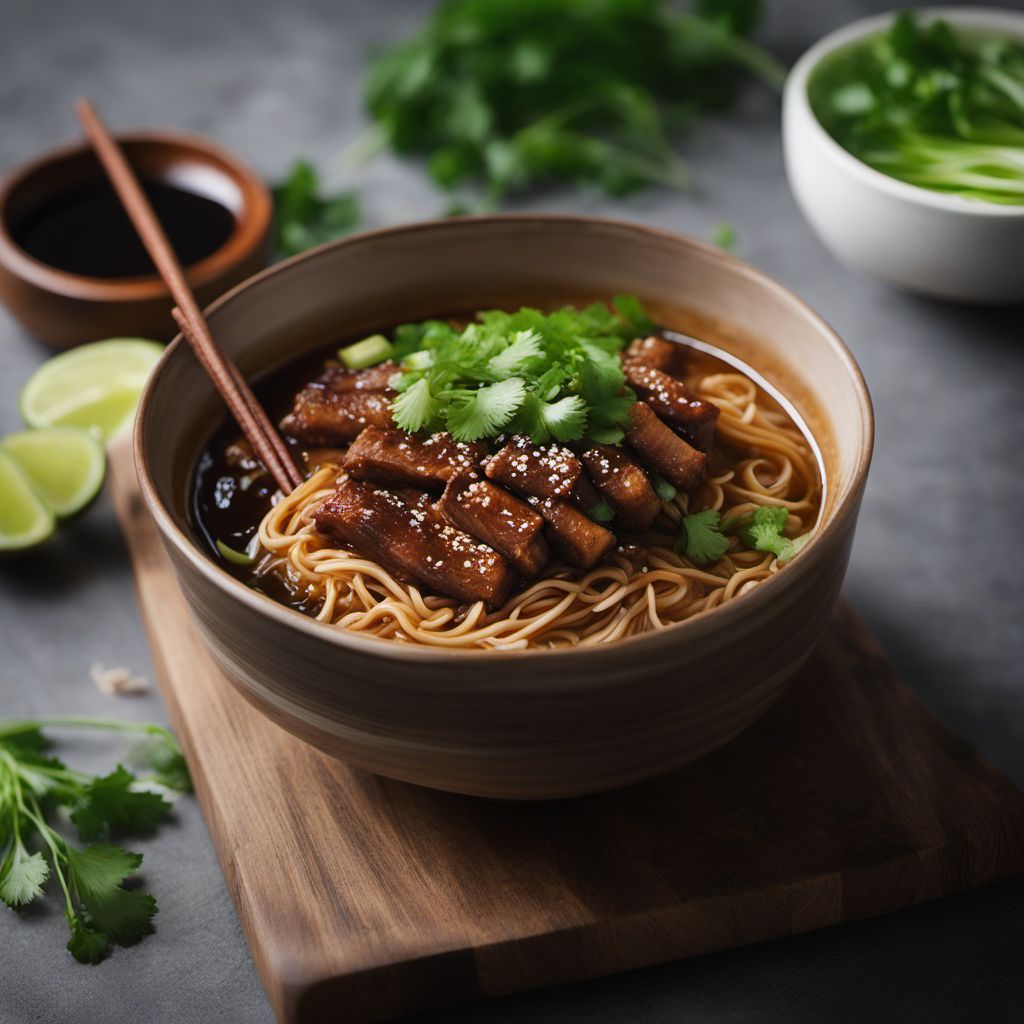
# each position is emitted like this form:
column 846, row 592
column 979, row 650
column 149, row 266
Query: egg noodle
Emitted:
column 568, row 607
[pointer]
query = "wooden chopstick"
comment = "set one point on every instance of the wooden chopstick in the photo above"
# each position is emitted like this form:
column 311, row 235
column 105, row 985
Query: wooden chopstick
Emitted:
column 237, row 395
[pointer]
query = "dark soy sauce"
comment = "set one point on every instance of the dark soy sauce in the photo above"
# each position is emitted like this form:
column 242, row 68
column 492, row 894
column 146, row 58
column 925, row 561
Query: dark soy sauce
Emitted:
column 86, row 231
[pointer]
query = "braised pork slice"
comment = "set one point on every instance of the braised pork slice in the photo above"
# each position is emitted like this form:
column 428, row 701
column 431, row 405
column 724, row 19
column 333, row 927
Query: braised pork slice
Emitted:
column 533, row 471
column 322, row 416
column 492, row 515
column 576, row 539
column 664, row 355
column 623, row 484
column 661, row 450
column 396, row 457
column 402, row 530
column 373, row 378
column 675, row 403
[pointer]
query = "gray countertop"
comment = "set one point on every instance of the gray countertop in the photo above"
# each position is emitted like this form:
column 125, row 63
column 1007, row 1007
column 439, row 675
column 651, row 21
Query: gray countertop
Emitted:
column 936, row 569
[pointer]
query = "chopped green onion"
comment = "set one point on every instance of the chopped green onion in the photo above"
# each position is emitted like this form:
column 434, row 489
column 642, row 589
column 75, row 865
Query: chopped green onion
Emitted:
column 368, row 352
column 602, row 512
column 233, row 556
column 664, row 490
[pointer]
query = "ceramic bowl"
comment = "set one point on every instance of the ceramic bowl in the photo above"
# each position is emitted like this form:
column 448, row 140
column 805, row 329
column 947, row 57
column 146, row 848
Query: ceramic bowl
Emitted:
column 914, row 238
column 517, row 724
column 64, row 309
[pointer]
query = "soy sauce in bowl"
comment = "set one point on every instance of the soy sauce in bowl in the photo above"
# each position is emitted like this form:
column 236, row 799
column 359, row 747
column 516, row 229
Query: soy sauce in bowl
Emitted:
column 85, row 230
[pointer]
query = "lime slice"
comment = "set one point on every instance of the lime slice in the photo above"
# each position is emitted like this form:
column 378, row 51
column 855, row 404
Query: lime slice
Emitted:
column 25, row 519
column 95, row 387
column 66, row 466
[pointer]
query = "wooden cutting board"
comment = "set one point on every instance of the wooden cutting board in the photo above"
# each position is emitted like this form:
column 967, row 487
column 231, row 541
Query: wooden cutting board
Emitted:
column 365, row 899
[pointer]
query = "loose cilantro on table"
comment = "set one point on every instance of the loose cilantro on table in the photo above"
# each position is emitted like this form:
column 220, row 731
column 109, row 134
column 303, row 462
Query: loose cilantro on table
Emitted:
column 552, row 376
column 303, row 218
column 516, row 92
column 35, row 787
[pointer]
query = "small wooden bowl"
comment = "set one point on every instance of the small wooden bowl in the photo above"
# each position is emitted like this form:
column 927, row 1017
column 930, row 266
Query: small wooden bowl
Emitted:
column 64, row 309
column 528, row 724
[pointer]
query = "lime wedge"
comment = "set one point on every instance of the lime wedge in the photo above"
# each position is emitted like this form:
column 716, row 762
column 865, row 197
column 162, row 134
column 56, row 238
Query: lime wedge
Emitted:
column 25, row 519
column 66, row 466
column 95, row 387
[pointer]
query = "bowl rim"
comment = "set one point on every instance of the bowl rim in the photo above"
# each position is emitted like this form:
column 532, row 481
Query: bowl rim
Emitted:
column 252, row 223
column 795, row 93
column 707, row 621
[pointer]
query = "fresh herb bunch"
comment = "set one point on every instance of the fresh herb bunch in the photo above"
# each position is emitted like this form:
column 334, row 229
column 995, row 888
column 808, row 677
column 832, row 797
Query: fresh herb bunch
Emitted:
column 930, row 105
column 516, row 92
column 33, row 785
column 703, row 536
column 549, row 376
column 303, row 218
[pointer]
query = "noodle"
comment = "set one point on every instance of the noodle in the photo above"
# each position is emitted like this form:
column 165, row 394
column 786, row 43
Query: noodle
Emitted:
column 568, row 607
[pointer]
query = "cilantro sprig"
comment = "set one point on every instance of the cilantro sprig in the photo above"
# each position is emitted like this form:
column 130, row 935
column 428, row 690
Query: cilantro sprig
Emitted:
column 303, row 217
column 35, row 786
column 703, row 536
column 514, row 93
column 551, row 376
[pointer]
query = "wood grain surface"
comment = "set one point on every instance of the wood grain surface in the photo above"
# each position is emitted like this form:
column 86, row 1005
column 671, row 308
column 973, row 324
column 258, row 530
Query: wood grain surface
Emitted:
column 363, row 899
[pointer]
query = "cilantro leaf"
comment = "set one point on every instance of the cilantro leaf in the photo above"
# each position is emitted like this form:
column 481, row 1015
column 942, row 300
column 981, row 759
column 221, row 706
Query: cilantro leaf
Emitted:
column 303, row 218
column 98, row 908
column 86, row 945
column 22, row 875
column 416, row 407
column 524, row 349
column 110, row 804
column 473, row 415
column 764, row 532
column 123, row 915
column 700, row 539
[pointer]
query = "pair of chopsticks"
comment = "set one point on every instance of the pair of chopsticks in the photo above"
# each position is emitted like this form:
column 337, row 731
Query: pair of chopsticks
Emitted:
column 242, row 403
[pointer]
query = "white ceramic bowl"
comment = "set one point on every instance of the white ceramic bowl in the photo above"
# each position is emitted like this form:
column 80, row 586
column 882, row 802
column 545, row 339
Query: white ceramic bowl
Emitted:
column 911, row 237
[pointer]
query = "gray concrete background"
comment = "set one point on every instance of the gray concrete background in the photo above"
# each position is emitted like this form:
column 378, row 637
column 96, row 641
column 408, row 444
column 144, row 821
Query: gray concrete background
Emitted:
column 936, row 569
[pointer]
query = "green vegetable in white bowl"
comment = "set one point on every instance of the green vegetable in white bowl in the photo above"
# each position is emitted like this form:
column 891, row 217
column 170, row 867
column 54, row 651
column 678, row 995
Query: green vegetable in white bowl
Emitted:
column 931, row 104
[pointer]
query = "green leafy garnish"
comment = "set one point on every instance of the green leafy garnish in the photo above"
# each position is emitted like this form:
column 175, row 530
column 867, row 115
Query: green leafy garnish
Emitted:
column 513, row 93
column 700, row 539
column 551, row 376
column 33, row 786
column 664, row 490
column 930, row 105
column 764, row 532
column 725, row 237
column 303, row 218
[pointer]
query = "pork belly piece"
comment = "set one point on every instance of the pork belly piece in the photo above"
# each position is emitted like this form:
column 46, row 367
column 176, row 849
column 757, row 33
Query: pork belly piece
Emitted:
column 660, row 353
column 661, row 450
column 491, row 514
column 623, row 484
column 373, row 378
column 675, row 403
column 577, row 540
column 403, row 531
column 533, row 471
column 397, row 457
column 322, row 416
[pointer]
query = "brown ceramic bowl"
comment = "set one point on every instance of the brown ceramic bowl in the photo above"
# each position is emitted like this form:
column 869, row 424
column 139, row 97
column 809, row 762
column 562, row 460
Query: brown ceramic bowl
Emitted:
column 65, row 309
column 516, row 724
